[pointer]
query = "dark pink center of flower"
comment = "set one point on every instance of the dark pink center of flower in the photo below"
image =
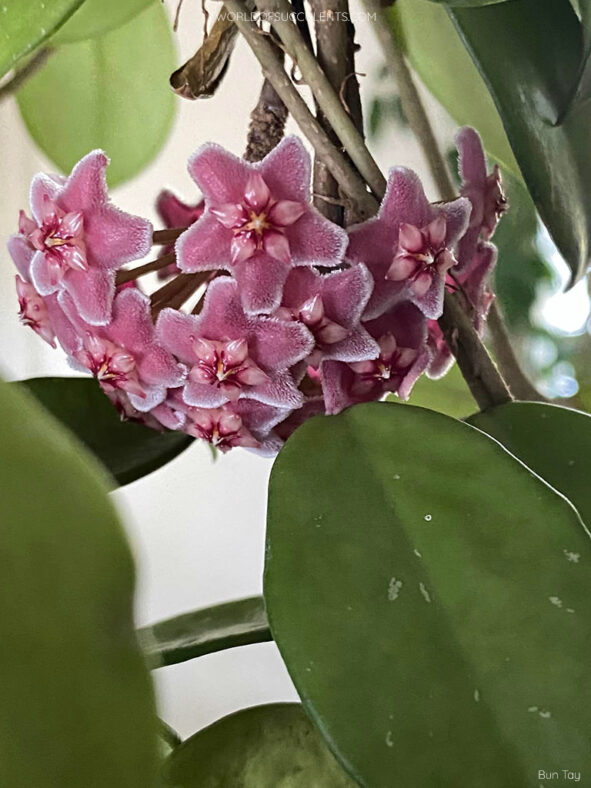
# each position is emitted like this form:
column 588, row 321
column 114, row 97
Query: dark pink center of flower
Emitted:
column 221, row 427
column 421, row 253
column 33, row 311
column 324, row 330
column 387, row 370
column 112, row 365
column 225, row 365
column 258, row 222
column 60, row 236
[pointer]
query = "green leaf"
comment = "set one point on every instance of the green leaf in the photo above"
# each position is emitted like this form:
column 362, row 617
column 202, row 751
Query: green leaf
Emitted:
column 26, row 24
column 98, row 17
column 261, row 747
column 418, row 589
column 77, row 706
column 439, row 57
column 553, row 441
column 110, row 92
column 540, row 46
column 204, row 631
column 128, row 450
column 449, row 395
column 468, row 3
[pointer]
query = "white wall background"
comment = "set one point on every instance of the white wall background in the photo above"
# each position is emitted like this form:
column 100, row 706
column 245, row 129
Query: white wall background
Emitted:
column 196, row 527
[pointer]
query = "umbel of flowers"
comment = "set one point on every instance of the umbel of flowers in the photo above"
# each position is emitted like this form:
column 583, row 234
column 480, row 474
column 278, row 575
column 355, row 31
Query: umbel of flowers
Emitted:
column 288, row 314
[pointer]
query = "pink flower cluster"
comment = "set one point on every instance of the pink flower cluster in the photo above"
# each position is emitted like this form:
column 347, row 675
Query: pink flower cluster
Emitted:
column 275, row 335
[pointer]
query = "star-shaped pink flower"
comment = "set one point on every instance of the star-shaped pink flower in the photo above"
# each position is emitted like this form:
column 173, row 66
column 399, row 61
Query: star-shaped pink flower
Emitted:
column 401, row 335
column 258, row 222
column 79, row 238
column 246, row 422
column 485, row 192
column 124, row 355
column 409, row 245
column 330, row 306
column 231, row 355
column 44, row 315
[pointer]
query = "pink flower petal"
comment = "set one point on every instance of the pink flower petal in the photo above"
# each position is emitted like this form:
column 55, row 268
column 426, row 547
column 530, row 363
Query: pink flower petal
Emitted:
column 421, row 284
column 257, row 192
column 286, row 212
column 205, row 246
column 114, row 237
column 92, row 292
column 472, row 163
column 43, row 275
column 401, row 269
column 411, row 238
column 86, row 187
column 313, row 240
column 276, row 245
column 221, row 176
column 278, row 345
column 260, row 281
column 22, row 254
column 229, row 214
column 287, row 171
column 405, row 200
column 177, row 332
column 242, row 248
column 44, row 188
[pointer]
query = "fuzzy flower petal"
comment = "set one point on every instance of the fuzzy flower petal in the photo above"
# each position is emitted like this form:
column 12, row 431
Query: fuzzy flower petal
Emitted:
column 232, row 355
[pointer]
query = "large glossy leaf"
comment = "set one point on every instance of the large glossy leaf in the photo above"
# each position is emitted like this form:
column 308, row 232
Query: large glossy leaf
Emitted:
column 204, row 631
column 97, row 17
column 540, row 45
column 418, row 586
column 441, row 60
column 554, row 442
column 26, row 24
column 261, row 747
column 127, row 449
column 77, row 706
column 109, row 92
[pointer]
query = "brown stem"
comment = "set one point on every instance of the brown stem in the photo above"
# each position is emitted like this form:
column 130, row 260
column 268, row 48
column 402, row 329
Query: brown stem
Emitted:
column 520, row 385
column 175, row 293
column 133, row 273
column 336, row 56
column 167, row 237
column 23, row 74
column 267, row 121
column 487, row 386
column 324, row 93
column 347, row 178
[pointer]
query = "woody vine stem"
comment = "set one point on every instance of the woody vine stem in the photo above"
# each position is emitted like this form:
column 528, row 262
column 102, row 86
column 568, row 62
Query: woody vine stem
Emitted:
column 357, row 168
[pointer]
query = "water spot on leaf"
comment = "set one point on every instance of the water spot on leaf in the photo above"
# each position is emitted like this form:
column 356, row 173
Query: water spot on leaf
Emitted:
column 572, row 557
column 417, row 553
column 394, row 587
column 477, row 696
column 428, row 518
column 426, row 595
column 556, row 601
column 389, row 740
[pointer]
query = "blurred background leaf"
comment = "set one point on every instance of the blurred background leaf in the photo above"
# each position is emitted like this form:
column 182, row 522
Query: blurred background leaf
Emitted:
column 97, row 17
column 77, row 704
column 26, row 24
column 108, row 92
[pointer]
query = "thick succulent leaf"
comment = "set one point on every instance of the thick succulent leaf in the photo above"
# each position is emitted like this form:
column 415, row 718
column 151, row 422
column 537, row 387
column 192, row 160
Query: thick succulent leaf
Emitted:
column 77, row 706
column 204, row 631
column 582, row 88
column 260, row 747
column 97, row 17
column 441, row 60
column 421, row 589
column 127, row 449
column 109, row 92
column 26, row 24
column 541, row 46
column 554, row 442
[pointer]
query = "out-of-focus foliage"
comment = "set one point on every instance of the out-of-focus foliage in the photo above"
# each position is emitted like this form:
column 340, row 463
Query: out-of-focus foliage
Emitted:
column 77, row 705
column 109, row 92
column 97, row 17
